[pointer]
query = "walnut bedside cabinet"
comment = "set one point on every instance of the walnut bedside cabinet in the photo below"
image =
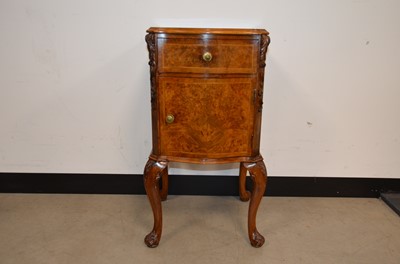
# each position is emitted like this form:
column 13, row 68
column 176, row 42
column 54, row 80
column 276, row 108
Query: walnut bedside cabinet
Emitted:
column 206, row 103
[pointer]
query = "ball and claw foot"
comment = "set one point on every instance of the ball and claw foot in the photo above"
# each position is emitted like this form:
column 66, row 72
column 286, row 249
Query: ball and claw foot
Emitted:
column 152, row 240
column 257, row 240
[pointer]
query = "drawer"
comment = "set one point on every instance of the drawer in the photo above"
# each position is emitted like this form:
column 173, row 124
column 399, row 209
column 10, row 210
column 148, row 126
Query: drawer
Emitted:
column 188, row 55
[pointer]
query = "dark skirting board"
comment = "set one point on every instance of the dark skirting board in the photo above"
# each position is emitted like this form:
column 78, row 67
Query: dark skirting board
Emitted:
column 194, row 185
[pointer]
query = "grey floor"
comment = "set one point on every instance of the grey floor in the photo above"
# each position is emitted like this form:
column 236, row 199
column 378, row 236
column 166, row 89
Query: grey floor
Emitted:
column 37, row 228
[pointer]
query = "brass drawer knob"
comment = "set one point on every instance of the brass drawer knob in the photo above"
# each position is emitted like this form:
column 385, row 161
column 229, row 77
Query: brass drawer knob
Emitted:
column 169, row 119
column 207, row 56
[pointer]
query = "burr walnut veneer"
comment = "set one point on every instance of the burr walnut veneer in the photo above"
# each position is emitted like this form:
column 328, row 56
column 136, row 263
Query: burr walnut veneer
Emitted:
column 206, row 101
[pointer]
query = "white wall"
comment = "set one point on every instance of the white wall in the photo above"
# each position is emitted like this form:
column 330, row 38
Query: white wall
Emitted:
column 74, row 84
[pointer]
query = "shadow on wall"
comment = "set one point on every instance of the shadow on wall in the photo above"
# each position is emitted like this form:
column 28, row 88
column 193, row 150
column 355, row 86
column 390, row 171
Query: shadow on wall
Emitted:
column 296, row 129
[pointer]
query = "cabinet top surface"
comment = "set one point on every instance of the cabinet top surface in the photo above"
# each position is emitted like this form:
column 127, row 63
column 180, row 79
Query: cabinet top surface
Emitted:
column 219, row 31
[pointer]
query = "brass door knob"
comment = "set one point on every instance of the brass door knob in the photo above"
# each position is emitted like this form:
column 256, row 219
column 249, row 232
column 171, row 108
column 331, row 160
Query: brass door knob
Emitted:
column 169, row 119
column 207, row 56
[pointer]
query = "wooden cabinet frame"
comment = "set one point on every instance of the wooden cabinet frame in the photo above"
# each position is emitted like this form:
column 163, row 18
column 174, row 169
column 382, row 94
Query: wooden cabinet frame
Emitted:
column 206, row 101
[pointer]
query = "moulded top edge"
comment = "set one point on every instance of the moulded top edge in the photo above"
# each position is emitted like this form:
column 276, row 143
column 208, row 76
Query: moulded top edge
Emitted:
column 222, row 31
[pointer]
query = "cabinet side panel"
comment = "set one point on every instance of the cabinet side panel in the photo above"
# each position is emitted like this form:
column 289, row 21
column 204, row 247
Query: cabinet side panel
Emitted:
column 153, row 63
column 264, row 41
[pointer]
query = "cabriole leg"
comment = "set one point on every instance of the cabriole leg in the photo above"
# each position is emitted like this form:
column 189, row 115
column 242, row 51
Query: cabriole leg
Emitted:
column 258, row 174
column 152, row 174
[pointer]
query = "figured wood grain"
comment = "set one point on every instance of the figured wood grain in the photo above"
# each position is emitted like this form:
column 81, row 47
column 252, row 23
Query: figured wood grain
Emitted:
column 228, row 55
column 213, row 117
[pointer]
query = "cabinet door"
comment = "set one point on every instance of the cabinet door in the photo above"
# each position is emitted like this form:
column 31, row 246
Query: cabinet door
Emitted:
column 213, row 118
